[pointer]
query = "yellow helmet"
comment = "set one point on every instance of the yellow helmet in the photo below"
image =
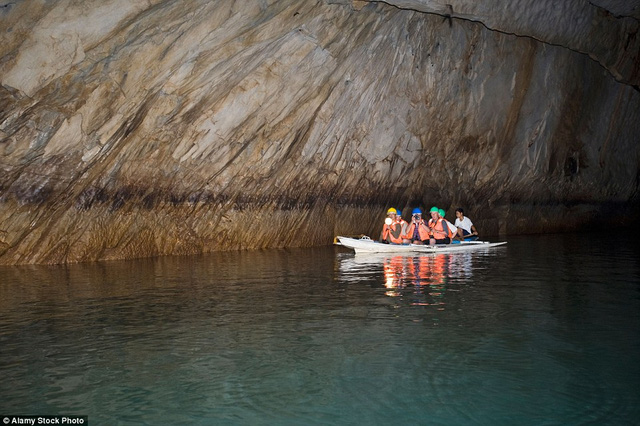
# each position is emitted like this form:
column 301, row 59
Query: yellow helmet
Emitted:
column 392, row 211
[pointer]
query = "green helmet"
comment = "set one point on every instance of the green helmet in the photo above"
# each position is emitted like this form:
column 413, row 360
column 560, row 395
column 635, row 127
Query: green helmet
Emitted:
column 433, row 209
column 441, row 212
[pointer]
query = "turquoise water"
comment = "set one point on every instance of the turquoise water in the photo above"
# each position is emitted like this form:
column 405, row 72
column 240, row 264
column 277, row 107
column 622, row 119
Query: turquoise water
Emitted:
column 542, row 331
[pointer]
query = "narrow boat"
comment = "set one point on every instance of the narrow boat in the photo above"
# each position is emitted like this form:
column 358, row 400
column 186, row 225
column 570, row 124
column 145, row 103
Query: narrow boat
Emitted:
column 367, row 245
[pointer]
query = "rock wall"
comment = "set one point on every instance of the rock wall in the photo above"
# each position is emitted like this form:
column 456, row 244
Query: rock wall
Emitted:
column 166, row 127
column 606, row 30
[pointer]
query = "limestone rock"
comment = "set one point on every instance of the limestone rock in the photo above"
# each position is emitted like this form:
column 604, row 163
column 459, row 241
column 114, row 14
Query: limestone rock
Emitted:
column 606, row 30
column 132, row 129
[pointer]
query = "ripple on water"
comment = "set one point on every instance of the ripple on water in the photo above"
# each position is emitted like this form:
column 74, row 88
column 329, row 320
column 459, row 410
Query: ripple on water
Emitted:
column 493, row 381
column 520, row 339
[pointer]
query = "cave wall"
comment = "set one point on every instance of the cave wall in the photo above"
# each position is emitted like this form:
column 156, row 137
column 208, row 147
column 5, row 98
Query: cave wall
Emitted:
column 605, row 30
column 163, row 127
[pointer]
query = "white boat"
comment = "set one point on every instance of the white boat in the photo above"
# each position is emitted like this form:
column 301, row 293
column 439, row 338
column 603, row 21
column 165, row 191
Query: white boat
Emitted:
column 367, row 245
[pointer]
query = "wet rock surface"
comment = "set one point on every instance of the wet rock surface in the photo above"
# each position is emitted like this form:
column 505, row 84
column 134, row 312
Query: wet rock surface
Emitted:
column 153, row 128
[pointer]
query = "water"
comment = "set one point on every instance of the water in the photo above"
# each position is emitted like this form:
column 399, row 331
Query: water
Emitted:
column 543, row 331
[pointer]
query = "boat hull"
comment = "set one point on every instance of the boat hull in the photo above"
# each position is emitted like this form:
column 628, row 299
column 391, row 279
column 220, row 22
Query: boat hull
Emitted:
column 367, row 245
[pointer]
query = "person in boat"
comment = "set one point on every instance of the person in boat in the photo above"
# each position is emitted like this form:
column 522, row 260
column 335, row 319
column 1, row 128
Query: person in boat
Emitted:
column 392, row 228
column 452, row 227
column 417, row 231
column 466, row 230
column 403, row 222
column 438, row 229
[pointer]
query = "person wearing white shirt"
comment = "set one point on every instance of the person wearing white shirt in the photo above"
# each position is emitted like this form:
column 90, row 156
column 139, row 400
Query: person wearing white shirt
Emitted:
column 466, row 230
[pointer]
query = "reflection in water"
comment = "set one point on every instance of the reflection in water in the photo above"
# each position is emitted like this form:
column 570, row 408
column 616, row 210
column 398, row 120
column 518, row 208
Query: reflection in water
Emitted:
column 423, row 277
column 427, row 274
column 518, row 335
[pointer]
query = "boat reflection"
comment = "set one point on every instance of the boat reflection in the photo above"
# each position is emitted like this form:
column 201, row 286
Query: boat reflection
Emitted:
column 426, row 274
column 424, row 277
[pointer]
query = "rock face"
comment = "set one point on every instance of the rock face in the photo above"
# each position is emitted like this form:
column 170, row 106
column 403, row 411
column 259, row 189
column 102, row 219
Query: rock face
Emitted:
column 132, row 129
column 606, row 30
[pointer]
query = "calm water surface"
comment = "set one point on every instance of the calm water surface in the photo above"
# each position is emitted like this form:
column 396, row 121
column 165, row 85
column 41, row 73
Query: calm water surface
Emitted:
column 543, row 331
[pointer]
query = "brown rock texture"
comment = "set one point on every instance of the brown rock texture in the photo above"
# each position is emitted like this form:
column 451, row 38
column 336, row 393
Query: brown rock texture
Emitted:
column 132, row 129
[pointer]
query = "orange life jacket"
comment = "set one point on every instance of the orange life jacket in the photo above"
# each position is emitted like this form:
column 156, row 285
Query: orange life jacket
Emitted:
column 388, row 232
column 423, row 231
column 440, row 230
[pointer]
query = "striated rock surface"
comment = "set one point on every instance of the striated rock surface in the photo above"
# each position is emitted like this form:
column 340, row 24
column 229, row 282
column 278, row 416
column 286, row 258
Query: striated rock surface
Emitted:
column 132, row 129
column 606, row 30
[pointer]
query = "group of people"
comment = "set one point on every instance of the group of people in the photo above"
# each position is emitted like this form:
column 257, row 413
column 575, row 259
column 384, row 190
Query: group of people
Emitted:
column 436, row 230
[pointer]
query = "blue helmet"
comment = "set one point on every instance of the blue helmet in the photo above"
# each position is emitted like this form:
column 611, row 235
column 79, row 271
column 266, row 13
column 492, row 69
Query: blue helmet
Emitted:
column 416, row 211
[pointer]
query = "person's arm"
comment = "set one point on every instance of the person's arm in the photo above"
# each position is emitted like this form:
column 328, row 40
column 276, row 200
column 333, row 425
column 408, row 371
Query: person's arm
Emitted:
column 405, row 233
column 452, row 228
column 425, row 225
